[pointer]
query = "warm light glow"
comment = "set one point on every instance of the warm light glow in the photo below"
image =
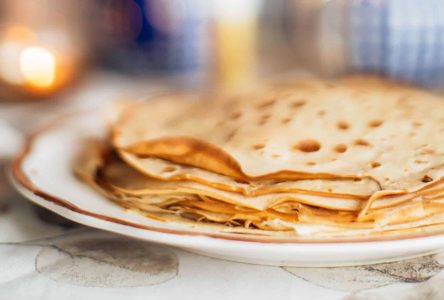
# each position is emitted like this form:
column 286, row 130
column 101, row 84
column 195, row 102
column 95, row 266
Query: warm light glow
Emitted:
column 38, row 66
column 19, row 33
column 9, row 58
column 11, row 44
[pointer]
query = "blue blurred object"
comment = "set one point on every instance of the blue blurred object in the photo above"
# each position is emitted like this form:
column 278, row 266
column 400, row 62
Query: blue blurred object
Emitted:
column 173, row 34
column 366, row 34
column 403, row 39
column 157, row 36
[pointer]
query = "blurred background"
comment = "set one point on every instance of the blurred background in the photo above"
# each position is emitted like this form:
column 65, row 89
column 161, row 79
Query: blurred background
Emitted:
column 60, row 55
column 46, row 46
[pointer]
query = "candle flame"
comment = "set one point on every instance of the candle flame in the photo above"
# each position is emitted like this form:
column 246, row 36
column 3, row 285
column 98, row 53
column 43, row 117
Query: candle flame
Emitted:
column 38, row 66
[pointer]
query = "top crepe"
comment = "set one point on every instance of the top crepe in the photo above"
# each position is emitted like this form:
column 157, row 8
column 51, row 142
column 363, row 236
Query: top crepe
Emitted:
column 358, row 127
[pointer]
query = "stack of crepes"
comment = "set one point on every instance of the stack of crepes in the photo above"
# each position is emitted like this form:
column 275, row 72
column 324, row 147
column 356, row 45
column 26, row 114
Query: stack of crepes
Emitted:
column 351, row 157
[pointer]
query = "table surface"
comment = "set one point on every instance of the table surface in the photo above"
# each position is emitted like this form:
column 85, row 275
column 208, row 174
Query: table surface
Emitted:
column 44, row 256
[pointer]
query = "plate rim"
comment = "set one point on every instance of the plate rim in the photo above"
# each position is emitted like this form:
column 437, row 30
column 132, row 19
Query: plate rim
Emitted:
column 21, row 180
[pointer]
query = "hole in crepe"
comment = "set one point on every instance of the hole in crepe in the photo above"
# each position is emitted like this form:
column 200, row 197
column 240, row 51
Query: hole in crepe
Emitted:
column 362, row 142
column 310, row 163
column 427, row 151
column 427, row 178
column 258, row 146
column 343, row 125
column 297, row 104
column 265, row 116
column 263, row 119
column 375, row 123
column 340, row 148
column 308, row 145
column 418, row 161
column 375, row 164
column 231, row 135
column 236, row 115
column 169, row 169
column 266, row 104
column 286, row 120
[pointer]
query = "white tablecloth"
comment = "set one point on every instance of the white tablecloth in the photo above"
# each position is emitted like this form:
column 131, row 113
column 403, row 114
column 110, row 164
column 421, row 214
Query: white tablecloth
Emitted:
column 43, row 256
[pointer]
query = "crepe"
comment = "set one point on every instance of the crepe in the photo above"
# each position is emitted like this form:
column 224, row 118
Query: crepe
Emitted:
column 354, row 157
column 163, row 199
column 122, row 177
column 311, row 129
column 165, row 170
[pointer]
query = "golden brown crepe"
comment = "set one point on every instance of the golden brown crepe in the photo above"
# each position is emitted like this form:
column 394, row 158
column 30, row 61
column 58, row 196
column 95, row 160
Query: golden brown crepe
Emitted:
column 313, row 128
column 353, row 157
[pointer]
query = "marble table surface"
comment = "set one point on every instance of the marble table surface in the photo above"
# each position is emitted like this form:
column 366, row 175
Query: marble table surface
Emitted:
column 43, row 256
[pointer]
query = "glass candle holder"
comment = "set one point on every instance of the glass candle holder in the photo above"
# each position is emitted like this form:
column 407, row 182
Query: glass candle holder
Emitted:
column 41, row 49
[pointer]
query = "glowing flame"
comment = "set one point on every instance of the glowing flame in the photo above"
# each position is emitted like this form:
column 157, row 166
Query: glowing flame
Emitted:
column 38, row 66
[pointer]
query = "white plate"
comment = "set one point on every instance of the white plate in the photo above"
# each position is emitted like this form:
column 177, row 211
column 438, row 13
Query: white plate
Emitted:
column 43, row 174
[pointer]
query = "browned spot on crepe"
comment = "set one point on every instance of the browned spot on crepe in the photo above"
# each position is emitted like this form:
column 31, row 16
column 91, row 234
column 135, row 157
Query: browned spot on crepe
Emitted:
column 308, row 145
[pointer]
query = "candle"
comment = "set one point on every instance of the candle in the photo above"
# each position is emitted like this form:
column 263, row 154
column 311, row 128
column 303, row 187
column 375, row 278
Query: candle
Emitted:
column 43, row 47
column 38, row 66
column 36, row 63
